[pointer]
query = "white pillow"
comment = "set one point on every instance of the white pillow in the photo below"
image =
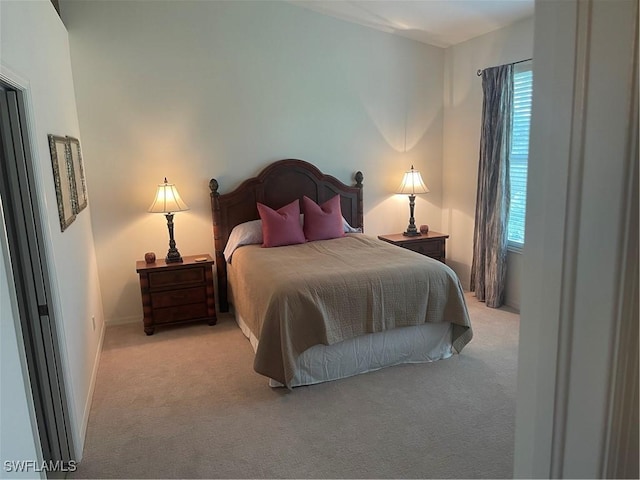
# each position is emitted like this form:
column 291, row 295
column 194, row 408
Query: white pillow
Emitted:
column 348, row 228
column 250, row 233
column 247, row 233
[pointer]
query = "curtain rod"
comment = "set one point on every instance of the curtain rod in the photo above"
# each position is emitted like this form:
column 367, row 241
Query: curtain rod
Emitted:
column 479, row 72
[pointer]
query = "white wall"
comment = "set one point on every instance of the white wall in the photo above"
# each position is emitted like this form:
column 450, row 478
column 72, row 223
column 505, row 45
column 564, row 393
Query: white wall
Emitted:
column 19, row 434
column 194, row 90
column 34, row 54
column 462, row 122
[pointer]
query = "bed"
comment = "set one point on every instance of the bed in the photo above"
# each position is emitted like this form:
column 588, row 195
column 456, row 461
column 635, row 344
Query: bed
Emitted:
column 329, row 309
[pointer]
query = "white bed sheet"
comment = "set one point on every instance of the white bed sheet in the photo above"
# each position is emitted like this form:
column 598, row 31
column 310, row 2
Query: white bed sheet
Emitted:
column 367, row 353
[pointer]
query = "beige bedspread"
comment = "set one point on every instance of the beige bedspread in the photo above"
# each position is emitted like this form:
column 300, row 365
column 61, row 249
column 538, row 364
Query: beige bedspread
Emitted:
column 324, row 292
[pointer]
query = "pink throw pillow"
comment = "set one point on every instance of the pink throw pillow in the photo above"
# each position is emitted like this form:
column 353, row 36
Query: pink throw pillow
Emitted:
column 282, row 226
column 322, row 222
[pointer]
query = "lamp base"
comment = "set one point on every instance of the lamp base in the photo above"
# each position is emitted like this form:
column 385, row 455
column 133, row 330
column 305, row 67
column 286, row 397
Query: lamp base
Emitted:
column 173, row 256
column 412, row 231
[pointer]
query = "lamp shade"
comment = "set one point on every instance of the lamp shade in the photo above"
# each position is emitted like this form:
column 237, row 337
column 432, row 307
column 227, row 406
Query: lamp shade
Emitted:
column 412, row 183
column 167, row 199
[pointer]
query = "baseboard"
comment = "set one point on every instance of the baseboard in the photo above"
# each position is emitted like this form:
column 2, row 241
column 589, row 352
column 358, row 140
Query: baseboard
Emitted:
column 92, row 386
column 123, row 320
column 513, row 304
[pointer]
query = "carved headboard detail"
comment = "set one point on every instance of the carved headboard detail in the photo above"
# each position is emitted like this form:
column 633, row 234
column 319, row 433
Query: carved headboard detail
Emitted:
column 277, row 185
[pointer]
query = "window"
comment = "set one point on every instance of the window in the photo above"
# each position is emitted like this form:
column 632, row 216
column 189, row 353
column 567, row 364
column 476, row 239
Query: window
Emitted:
column 523, row 82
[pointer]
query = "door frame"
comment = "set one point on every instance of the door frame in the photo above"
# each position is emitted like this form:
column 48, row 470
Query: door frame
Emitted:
column 14, row 81
column 578, row 329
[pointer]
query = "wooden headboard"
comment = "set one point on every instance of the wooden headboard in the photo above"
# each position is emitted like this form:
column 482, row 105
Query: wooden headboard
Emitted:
column 277, row 185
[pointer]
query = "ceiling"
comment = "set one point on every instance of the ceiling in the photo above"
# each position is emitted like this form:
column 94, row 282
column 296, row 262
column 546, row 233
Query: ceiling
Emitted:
column 437, row 22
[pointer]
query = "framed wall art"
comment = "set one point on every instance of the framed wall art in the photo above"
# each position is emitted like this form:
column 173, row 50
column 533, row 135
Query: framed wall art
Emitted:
column 80, row 186
column 63, row 179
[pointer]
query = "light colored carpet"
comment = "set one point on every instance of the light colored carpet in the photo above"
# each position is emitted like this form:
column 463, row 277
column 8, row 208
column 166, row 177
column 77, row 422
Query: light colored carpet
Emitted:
column 186, row 403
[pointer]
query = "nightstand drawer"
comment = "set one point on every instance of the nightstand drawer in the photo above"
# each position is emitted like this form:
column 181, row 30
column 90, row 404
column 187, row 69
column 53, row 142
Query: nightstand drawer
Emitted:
column 430, row 249
column 173, row 298
column 183, row 312
column 431, row 244
column 183, row 276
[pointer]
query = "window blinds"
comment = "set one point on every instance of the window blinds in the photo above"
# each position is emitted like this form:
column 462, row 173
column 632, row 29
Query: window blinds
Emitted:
column 523, row 83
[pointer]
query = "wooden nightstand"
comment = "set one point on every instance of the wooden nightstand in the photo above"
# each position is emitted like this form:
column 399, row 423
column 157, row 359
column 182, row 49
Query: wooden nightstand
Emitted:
column 432, row 244
column 177, row 292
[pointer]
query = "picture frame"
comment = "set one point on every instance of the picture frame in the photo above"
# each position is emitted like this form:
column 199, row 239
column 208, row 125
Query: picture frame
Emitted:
column 79, row 182
column 63, row 179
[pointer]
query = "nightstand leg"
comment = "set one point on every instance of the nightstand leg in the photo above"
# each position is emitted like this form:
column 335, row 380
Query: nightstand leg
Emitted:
column 149, row 330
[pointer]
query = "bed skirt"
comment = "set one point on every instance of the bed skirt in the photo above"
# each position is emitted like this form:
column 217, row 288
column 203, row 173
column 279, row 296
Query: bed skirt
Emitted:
column 366, row 353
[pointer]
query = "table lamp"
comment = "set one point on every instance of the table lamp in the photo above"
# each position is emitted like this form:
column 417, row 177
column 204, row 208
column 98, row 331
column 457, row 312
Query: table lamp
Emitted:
column 411, row 185
column 168, row 201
